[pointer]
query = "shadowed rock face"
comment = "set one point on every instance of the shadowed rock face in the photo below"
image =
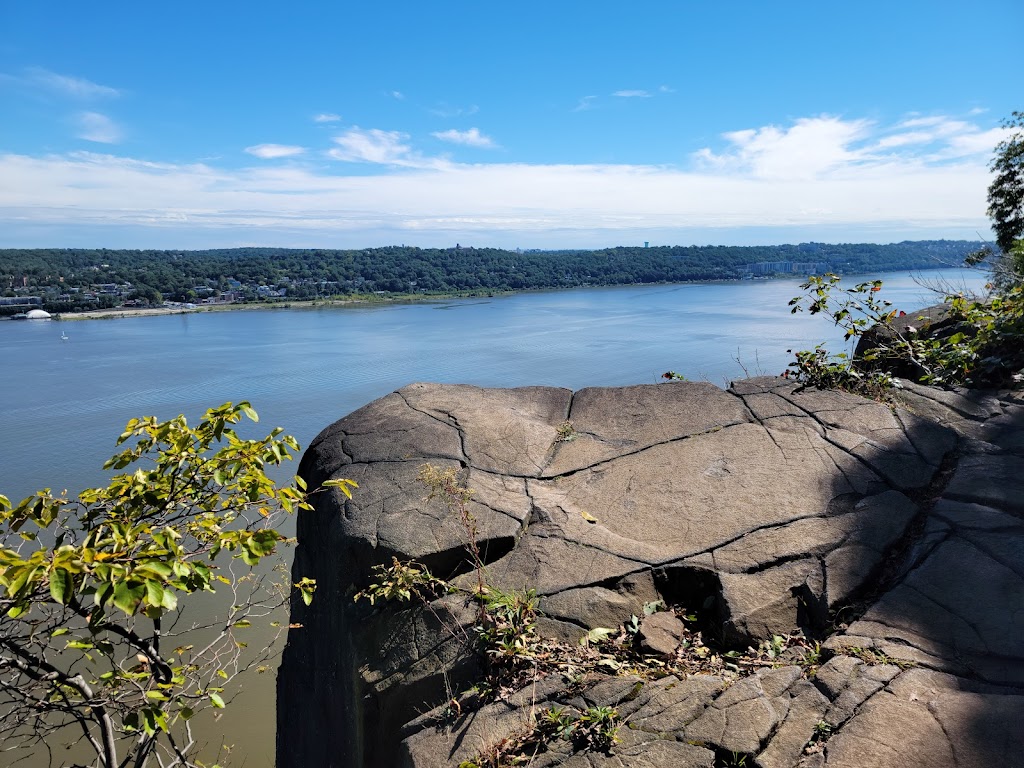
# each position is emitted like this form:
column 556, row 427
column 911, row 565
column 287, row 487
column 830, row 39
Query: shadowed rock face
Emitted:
column 769, row 507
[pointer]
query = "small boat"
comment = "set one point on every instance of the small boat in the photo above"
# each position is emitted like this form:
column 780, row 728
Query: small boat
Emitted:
column 63, row 336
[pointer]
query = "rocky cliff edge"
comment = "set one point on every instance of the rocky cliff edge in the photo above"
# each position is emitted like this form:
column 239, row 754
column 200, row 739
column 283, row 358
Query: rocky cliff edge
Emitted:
column 853, row 571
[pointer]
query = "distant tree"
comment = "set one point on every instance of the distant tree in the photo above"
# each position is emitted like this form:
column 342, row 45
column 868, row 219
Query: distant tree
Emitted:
column 94, row 635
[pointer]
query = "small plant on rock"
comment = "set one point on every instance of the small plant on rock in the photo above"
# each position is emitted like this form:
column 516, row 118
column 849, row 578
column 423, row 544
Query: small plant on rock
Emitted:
column 402, row 581
column 507, row 629
column 822, row 732
column 596, row 730
column 565, row 433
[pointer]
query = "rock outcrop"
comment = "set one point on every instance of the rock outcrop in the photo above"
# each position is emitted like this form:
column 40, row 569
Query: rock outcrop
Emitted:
column 892, row 534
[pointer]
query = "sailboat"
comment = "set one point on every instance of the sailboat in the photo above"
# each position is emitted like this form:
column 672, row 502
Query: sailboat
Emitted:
column 63, row 336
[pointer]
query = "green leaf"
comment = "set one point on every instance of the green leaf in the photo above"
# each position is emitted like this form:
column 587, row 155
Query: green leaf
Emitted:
column 170, row 600
column 61, row 586
column 154, row 594
column 653, row 607
column 597, row 635
column 216, row 700
column 128, row 595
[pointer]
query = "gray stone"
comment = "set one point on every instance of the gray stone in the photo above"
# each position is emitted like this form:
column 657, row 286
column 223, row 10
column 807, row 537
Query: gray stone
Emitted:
column 661, row 633
column 992, row 480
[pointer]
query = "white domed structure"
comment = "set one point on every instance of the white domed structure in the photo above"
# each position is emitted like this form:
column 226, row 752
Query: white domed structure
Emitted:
column 37, row 314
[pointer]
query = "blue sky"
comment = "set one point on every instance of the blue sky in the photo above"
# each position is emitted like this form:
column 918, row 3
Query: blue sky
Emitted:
column 190, row 125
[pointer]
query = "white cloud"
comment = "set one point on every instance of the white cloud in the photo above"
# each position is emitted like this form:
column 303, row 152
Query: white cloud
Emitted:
column 272, row 151
column 974, row 142
column 470, row 138
column 94, row 126
column 635, row 94
column 807, row 180
column 379, row 147
column 810, row 147
column 76, row 87
column 326, row 117
column 666, row 89
column 904, row 139
column 398, row 95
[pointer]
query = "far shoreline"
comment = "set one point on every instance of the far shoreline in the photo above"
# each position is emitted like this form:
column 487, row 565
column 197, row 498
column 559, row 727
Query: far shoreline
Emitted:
column 116, row 313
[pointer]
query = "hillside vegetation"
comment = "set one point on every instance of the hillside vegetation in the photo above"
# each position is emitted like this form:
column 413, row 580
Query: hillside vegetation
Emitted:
column 65, row 276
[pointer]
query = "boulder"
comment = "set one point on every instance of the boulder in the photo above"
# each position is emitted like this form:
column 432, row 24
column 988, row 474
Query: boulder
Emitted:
column 766, row 509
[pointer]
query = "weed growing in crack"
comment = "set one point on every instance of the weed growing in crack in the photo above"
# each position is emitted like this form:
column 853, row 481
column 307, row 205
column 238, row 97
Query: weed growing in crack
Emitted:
column 729, row 759
column 565, row 433
column 822, row 732
column 403, row 581
column 595, row 729
column 874, row 657
column 507, row 630
column 444, row 484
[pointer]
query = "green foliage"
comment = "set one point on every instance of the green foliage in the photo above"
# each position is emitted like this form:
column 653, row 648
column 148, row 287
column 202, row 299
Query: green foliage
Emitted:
column 565, row 433
column 593, row 730
column 1006, row 192
column 92, row 589
column 875, row 657
column 985, row 347
column 402, row 582
column 820, row 368
column 506, row 631
column 596, row 729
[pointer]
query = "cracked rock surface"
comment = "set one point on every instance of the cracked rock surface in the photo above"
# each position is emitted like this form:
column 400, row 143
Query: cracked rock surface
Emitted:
column 893, row 534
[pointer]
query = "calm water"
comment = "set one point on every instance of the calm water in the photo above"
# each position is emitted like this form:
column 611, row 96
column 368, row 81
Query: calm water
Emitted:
column 62, row 403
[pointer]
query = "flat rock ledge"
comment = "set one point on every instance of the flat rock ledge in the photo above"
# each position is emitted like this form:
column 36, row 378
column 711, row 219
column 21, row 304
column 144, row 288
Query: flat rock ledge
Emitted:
column 895, row 535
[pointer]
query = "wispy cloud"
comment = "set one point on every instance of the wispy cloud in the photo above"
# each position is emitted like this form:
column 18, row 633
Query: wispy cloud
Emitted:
column 585, row 103
column 444, row 110
column 469, row 138
column 816, row 147
column 815, row 178
column 273, row 151
column 326, row 117
column 379, row 147
column 632, row 94
column 75, row 87
column 94, row 126
column 666, row 89
column 398, row 95
column 939, row 136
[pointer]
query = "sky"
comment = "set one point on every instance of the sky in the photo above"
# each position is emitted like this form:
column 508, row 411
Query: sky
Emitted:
column 535, row 125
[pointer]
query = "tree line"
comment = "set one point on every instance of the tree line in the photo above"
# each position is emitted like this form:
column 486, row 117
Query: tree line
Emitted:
column 308, row 273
